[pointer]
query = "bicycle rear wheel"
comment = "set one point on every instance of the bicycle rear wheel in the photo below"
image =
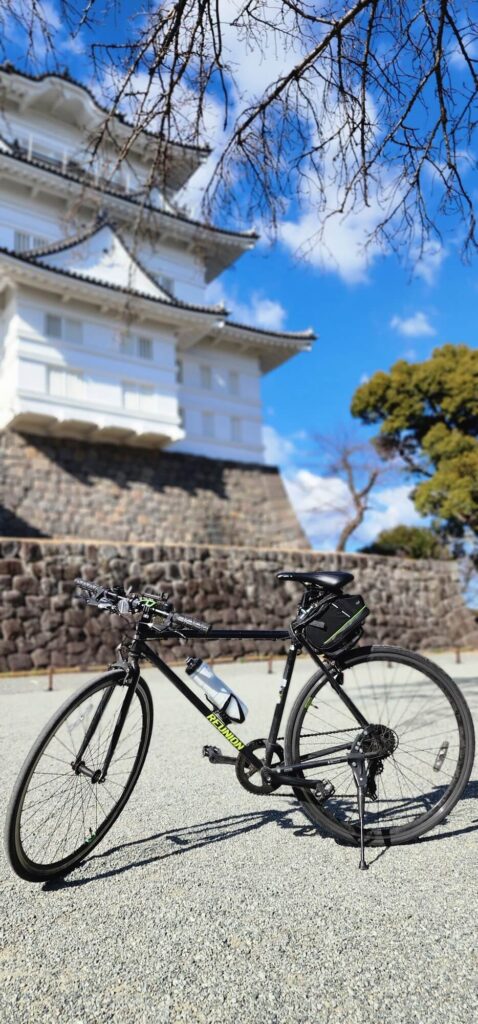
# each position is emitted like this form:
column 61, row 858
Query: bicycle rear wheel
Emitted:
column 422, row 719
column 56, row 817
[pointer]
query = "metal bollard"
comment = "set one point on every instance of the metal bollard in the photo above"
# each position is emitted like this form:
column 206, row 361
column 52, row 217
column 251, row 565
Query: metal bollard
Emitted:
column 50, row 679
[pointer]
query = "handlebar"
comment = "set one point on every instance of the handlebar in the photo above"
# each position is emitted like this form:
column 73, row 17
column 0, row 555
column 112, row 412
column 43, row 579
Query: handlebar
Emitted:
column 152, row 604
column 184, row 623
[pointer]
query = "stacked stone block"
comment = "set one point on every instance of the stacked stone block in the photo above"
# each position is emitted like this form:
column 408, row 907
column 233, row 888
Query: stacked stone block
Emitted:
column 42, row 624
column 56, row 487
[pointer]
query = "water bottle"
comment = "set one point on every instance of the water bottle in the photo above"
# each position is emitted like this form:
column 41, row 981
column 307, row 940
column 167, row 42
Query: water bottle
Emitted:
column 217, row 693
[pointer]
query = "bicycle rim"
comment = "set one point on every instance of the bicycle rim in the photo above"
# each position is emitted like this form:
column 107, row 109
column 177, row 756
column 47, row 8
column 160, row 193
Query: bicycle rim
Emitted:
column 430, row 759
column 56, row 817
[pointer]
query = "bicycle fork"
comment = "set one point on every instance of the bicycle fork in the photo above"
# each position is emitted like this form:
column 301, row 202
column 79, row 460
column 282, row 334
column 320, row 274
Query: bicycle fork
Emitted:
column 78, row 765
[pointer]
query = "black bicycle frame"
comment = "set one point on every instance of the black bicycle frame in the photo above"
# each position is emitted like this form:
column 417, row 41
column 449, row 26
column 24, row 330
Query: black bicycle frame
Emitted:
column 139, row 648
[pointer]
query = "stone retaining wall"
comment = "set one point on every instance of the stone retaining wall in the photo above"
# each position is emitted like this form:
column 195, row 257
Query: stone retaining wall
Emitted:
column 417, row 604
column 54, row 487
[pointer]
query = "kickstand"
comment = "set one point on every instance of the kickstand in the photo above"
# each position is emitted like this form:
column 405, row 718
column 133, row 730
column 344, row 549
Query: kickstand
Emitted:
column 361, row 778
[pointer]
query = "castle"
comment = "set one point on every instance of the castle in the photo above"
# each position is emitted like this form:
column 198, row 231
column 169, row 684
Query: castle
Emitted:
column 130, row 413
column 105, row 334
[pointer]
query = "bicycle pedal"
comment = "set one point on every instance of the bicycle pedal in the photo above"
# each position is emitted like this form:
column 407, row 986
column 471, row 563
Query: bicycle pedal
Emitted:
column 211, row 752
column 323, row 791
column 215, row 757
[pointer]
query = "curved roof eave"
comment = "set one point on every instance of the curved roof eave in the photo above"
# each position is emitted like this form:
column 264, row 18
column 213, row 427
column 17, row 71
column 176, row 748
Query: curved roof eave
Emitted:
column 65, row 78
column 176, row 307
column 238, row 240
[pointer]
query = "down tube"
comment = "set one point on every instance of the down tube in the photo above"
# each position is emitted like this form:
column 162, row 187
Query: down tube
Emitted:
column 212, row 716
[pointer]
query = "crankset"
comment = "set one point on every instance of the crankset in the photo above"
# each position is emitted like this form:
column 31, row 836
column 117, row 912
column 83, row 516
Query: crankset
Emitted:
column 246, row 771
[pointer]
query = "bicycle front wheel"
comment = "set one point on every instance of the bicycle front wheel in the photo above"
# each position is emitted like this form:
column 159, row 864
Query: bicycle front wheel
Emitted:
column 57, row 816
column 418, row 716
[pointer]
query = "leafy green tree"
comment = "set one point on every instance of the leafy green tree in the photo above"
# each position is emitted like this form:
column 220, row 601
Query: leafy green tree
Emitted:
column 428, row 415
column 408, row 542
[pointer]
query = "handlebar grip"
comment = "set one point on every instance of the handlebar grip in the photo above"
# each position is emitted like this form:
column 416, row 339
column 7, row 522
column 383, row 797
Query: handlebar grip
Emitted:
column 196, row 624
column 92, row 588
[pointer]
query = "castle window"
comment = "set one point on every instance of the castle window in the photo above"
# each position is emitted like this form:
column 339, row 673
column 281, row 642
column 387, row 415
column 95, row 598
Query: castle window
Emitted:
column 179, row 371
column 68, row 328
column 233, row 382
column 139, row 397
column 52, row 325
column 145, row 348
column 208, row 424
column 206, row 377
column 23, row 241
column 65, row 383
column 235, row 428
column 73, row 331
column 139, row 348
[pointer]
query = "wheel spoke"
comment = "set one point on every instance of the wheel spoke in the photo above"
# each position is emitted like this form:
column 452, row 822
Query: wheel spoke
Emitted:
column 409, row 707
column 61, row 810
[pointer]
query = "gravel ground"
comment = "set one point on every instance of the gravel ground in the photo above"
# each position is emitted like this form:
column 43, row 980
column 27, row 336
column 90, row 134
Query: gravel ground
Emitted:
column 205, row 902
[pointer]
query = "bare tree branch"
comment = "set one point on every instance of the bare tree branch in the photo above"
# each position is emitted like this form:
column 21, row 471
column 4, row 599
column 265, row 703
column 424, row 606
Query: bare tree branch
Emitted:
column 368, row 105
column 356, row 465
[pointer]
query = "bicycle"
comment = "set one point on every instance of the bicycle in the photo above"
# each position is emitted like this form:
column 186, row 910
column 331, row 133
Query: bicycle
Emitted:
column 392, row 730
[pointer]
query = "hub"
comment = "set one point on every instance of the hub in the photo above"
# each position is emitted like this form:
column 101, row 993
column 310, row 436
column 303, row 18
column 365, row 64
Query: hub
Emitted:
column 81, row 769
column 379, row 740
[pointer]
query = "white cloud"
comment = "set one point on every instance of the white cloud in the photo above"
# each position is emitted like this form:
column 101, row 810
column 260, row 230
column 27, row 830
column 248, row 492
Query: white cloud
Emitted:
column 392, row 507
column 278, row 450
column 340, row 242
column 323, row 504
column 416, row 326
column 428, row 261
column 48, row 12
column 259, row 311
column 74, row 45
column 340, row 247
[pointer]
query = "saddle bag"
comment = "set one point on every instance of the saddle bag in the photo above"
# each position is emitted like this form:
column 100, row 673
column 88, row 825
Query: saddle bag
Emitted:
column 336, row 623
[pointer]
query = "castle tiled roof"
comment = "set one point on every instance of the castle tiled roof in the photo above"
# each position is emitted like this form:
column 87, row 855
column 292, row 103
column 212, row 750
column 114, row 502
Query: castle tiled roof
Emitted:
column 35, row 258
column 14, row 153
column 10, row 69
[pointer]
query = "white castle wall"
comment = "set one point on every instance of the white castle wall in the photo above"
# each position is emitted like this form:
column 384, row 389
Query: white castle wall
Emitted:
column 110, row 373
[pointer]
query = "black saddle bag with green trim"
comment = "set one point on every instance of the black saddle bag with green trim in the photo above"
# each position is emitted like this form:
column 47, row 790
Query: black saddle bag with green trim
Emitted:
column 337, row 623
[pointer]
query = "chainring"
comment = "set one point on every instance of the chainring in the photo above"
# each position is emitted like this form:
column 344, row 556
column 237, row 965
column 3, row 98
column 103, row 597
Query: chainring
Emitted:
column 245, row 771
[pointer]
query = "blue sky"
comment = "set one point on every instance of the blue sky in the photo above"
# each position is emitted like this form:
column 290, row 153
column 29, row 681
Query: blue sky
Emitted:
column 368, row 312
column 363, row 326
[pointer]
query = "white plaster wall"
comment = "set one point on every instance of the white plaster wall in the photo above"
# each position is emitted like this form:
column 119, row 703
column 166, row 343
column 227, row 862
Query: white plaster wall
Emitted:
column 104, row 367
column 55, row 135
column 29, row 215
column 175, row 261
column 218, row 401
column 62, row 140
column 8, row 363
column 104, row 258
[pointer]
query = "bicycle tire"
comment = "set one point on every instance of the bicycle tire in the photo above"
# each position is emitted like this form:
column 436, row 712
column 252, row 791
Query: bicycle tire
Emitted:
column 321, row 812
column 20, row 859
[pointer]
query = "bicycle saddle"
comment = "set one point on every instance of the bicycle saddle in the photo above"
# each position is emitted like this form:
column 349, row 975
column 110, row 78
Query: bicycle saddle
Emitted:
column 327, row 580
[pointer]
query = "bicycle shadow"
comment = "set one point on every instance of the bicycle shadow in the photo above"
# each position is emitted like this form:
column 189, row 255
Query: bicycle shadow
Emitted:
column 190, row 838
column 195, row 837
